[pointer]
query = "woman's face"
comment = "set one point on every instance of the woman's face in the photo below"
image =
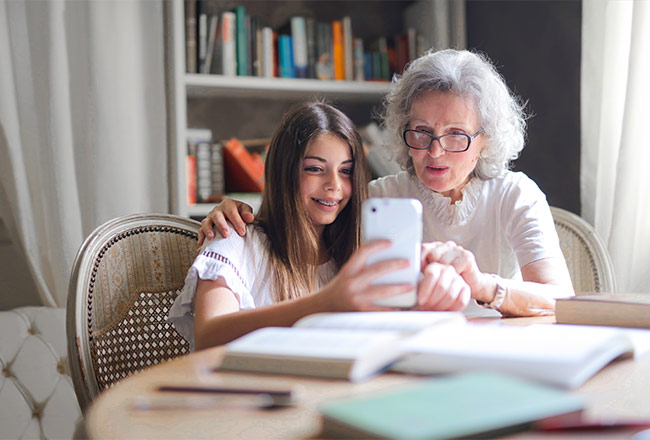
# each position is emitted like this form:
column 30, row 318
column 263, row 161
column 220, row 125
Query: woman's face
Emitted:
column 440, row 113
column 326, row 179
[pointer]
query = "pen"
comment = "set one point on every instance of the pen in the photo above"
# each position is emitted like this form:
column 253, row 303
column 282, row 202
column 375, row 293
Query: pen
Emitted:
column 221, row 390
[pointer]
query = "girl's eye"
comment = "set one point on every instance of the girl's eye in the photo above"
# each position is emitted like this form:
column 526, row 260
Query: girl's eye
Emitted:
column 312, row 169
column 347, row 171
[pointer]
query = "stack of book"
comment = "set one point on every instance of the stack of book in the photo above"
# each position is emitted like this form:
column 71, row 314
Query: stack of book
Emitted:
column 236, row 43
column 214, row 168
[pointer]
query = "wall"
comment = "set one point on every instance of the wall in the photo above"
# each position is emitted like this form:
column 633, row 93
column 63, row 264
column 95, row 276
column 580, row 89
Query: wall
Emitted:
column 536, row 46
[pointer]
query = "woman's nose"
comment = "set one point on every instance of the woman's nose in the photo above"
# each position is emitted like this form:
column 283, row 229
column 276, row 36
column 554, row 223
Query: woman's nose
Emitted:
column 435, row 149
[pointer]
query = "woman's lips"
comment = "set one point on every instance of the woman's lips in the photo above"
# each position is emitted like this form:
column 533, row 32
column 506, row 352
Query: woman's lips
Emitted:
column 436, row 170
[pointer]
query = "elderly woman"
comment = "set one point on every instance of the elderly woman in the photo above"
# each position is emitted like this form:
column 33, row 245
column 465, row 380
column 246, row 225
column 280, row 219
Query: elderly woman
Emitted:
column 456, row 127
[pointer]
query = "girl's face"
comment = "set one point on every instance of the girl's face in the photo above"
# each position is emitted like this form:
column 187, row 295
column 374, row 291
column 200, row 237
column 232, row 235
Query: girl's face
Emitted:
column 440, row 113
column 326, row 179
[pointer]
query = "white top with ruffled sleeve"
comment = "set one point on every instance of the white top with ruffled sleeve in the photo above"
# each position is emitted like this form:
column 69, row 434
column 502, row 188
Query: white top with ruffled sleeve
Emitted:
column 243, row 264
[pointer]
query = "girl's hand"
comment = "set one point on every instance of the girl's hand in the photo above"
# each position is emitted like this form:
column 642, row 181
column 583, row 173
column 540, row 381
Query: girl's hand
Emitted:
column 238, row 213
column 442, row 288
column 351, row 289
column 463, row 261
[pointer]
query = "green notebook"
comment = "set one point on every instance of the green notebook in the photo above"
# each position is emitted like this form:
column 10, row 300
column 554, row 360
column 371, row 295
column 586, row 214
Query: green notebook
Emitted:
column 447, row 407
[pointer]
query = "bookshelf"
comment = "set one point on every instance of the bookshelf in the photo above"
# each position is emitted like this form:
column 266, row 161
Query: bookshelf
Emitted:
column 250, row 107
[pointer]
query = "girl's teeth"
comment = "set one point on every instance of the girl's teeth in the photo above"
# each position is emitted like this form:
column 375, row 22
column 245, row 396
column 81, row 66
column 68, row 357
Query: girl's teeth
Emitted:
column 326, row 203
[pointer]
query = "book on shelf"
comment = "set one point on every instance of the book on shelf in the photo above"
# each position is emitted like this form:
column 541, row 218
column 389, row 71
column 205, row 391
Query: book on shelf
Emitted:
column 299, row 46
column 338, row 56
column 268, row 52
column 285, row 55
column 228, row 44
column 198, row 164
column 241, row 44
column 202, row 40
column 211, row 36
column 190, row 36
column 310, row 34
column 352, row 346
column 563, row 356
column 470, row 405
column 348, row 54
column 244, row 171
column 609, row 309
column 324, row 52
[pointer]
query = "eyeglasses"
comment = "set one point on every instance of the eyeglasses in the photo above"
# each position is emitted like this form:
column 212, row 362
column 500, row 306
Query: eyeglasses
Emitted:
column 451, row 142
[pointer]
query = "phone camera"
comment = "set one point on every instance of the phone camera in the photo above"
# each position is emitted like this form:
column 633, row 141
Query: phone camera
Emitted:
column 374, row 209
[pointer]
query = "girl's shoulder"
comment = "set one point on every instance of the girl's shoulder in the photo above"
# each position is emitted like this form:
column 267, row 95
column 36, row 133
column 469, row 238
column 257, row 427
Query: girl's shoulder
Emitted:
column 253, row 241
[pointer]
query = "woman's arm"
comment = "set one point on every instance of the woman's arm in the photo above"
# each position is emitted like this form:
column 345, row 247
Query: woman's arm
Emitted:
column 543, row 280
column 238, row 213
column 217, row 319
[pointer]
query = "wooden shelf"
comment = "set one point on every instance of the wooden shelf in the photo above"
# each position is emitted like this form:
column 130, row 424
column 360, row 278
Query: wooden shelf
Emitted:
column 200, row 85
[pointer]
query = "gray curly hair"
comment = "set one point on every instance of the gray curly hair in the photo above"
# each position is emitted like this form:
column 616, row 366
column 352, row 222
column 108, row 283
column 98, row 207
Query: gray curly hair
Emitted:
column 472, row 76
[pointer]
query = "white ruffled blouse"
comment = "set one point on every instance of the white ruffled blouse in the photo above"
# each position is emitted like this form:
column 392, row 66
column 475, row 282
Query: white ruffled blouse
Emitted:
column 505, row 221
column 243, row 264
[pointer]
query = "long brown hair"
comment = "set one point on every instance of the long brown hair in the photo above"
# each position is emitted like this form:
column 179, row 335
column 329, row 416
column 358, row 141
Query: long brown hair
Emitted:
column 292, row 239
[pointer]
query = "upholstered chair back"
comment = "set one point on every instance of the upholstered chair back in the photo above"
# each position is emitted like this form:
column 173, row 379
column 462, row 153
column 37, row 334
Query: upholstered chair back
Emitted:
column 589, row 262
column 125, row 278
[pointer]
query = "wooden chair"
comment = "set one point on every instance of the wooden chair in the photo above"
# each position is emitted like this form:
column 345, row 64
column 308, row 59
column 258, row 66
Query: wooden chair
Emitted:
column 124, row 279
column 586, row 255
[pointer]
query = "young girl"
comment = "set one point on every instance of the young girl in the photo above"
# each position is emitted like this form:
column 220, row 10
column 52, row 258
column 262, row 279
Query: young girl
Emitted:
column 306, row 230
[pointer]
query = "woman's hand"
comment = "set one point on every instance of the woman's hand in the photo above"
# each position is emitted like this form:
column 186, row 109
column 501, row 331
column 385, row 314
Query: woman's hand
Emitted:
column 463, row 261
column 442, row 288
column 238, row 213
column 351, row 289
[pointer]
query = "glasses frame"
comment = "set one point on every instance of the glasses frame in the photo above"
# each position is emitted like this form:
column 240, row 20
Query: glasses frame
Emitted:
column 432, row 138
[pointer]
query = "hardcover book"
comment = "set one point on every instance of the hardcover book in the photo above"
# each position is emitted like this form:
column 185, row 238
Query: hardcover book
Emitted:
column 474, row 405
column 244, row 171
column 612, row 309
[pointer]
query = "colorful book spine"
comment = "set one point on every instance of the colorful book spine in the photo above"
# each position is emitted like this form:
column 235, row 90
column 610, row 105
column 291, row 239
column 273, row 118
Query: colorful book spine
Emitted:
column 337, row 49
column 286, row 56
column 228, row 44
column 244, row 171
column 359, row 60
column 299, row 44
column 348, row 52
column 241, row 41
column 268, row 52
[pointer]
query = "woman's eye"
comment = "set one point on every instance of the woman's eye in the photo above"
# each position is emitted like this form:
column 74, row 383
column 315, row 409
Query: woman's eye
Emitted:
column 347, row 171
column 312, row 169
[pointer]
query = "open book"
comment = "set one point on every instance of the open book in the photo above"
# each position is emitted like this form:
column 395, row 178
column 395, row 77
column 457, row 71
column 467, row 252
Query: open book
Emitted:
column 561, row 355
column 352, row 346
column 356, row 346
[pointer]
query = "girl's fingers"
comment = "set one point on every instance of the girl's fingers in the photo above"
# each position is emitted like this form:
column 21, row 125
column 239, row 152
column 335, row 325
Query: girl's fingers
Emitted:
column 358, row 260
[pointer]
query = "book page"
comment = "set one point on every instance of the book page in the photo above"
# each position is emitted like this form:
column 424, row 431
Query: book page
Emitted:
column 311, row 342
column 401, row 321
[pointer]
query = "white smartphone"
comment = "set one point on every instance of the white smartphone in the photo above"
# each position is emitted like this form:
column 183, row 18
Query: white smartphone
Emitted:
column 400, row 221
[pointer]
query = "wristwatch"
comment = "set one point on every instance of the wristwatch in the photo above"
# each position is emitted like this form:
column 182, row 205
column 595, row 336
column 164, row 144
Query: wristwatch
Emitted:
column 499, row 296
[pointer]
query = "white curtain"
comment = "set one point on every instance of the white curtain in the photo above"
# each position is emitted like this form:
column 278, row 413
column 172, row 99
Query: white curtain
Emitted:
column 82, row 124
column 615, row 164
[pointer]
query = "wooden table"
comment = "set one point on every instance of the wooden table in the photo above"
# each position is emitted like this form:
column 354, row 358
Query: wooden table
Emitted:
column 620, row 390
